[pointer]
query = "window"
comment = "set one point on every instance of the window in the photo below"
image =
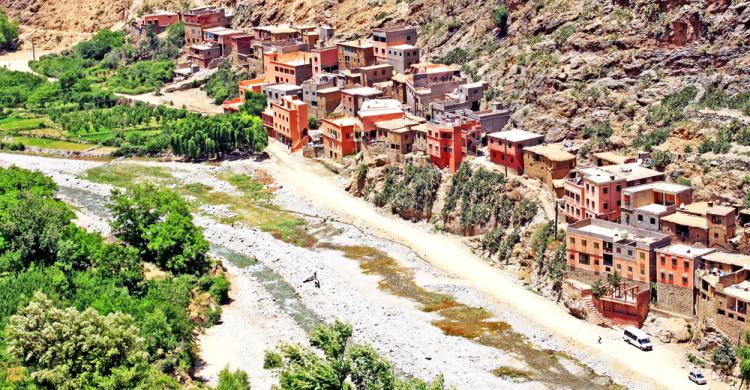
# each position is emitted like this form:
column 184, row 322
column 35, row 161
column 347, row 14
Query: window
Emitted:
column 663, row 276
column 630, row 269
column 619, row 266
column 671, row 279
column 642, row 256
column 663, row 260
column 583, row 259
column 674, row 262
column 596, row 245
column 605, row 205
column 605, row 189
column 583, row 242
column 618, row 188
column 572, row 241
column 684, row 281
column 686, row 265
column 643, row 272
column 640, row 218
column 652, row 221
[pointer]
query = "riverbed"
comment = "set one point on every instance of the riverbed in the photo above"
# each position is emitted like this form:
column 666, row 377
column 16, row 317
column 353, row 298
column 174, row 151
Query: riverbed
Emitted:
column 425, row 321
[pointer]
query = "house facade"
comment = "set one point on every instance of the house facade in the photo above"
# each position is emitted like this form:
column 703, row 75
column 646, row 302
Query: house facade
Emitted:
column 548, row 163
column 338, row 137
column 448, row 143
column 675, row 271
column 506, row 147
column 290, row 122
column 386, row 37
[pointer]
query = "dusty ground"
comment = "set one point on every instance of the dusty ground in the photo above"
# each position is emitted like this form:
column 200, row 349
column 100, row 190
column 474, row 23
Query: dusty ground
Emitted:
column 19, row 60
column 193, row 99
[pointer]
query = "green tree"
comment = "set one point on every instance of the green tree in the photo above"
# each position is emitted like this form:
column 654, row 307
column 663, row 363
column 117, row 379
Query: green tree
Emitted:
column 233, row 380
column 69, row 349
column 8, row 31
column 254, row 104
column 724, row 356
column 157, row 221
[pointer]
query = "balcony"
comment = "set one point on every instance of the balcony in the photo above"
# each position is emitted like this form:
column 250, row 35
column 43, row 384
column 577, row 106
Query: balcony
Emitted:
column 737, row 309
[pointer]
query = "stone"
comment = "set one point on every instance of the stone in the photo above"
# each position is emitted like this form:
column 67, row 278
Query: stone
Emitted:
column 576, row 308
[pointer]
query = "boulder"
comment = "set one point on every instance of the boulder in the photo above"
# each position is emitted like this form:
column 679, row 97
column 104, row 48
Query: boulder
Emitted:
column 667, row 329
column 576, row 308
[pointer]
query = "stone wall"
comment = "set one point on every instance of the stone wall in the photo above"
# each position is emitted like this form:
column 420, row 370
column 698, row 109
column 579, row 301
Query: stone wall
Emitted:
column 588, row 277
column 674, row 299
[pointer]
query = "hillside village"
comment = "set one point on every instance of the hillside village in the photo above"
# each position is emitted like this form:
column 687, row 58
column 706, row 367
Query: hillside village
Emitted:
column 619, row 233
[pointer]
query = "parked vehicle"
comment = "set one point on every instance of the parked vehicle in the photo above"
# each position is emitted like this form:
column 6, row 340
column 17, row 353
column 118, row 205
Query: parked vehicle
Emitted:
column 697, row 377
column 637, row 338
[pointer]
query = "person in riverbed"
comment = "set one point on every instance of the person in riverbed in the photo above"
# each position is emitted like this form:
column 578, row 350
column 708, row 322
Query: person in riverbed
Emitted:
column 313, row 278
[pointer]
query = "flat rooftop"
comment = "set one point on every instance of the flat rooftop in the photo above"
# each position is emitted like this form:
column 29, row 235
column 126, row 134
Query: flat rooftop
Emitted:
column 378, row 66
column 740, row 290
column 277, row 29
column 160, row 12
column 395, row 124
column 477, row 84
column 721, row 210
column 653, row 208
column 515, row 135
column 738, row 259
column 613, row 157
column 552, row 152
column 329, row 90
column 404, row 46
column 683, row 250
column 631, row 171
column 222, row 31
column 343, row 121
column 284, row 87
column 360, row 43
column 659, row 186
column 393, row 28
column 616, row 232
column 363, row 91
column 697, row 208
column 684, row 219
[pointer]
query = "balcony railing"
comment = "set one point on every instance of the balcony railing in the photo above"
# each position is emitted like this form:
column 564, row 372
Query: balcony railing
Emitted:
column 737, row 309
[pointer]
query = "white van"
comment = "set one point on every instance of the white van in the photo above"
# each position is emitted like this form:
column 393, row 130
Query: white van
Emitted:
column 638, row 338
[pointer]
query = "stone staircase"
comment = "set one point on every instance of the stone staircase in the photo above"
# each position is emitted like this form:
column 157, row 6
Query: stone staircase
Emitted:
column 594, row 315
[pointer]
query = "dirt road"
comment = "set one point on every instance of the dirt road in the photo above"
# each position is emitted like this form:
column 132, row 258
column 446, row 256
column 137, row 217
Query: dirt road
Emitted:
column 665, row 367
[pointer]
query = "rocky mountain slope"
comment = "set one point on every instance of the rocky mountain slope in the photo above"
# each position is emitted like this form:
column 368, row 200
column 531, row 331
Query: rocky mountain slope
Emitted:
column 567, row 68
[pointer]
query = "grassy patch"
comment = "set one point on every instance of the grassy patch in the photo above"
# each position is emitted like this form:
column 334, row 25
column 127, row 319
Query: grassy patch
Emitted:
column 10, row 124
column 512, row 373
column 52, row 144
column 126, row 175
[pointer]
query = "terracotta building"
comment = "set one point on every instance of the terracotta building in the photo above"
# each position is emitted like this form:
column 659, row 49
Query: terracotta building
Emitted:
column 398, row 134
column 675, row 271
column 338, row 137
column 449, row 143
column 324, row 59
column 427, row 83
column 597, row 248
column 204, row 56
column 506, row 147
column 222, row 37
column 158, row 21
column 373, row 74
column 355, row 54
column 702, row 222
column 549, row 163
column 277, row 33
column 402, row 57
column 386, row 37
column 290, row 122
column 198, row 19
column 288, row 68
column 373, row 111
column 723, row 292
column 644, row 206
column 597, row 192
column 321, row 94
column 353, row 98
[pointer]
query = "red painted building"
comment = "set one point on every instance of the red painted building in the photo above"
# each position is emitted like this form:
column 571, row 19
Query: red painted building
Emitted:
column 159, row 21
column 198, row 19
column 449, row 143
column 338, row 137
column 506, row 147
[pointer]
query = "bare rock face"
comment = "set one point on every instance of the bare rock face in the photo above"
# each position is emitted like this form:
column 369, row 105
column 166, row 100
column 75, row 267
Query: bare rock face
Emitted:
column 667, row 329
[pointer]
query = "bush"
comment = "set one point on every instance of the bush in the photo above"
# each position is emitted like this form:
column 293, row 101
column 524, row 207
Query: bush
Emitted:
column 661, row 159
column 500, row 18
column 141, row 77
column 457, row 56
column 8, row 32
column 219, row 289
column 199, row 137
column 236, row 380
column 223, row 84
column 254, row 104
column 670, row 109
column 410, row 192
column 723, row 356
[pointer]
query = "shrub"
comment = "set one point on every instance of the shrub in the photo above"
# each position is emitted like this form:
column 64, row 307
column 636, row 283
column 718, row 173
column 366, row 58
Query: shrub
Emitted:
column 199, row 137
column 724, row 356
column 219, row 289
column 670, row 109
column 500, row 18
column 661, row 159
column 8, row 31
column 233, row 380
column 457, row 56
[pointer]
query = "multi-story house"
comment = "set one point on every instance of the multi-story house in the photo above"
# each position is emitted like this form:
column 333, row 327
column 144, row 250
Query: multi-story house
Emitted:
column 597, row 248
column 276, row 33
column 373, row 74
column 204, row 56
column 549, row 163
column 158, row 21
column 402, row 57
column 399, row 135
column 643, row 206
column 275, row 92
column 702, row 222
column 287, row 68
column 324, row 59
column 722, row 284
column 355, row 54
column 675, row 271
column 353, row 98
column 338, row 137
column 290, row 122
column 506, row 147
column 427, row 83
column 449, row 143
column 321, row 94
column 377, row 110
column 386, row 37
column 198, row 19
column 596, row 192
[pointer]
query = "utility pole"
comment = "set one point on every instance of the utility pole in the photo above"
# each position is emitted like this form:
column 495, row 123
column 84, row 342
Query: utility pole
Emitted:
column 505, row 159
column 33, row 50
column 557, row 208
